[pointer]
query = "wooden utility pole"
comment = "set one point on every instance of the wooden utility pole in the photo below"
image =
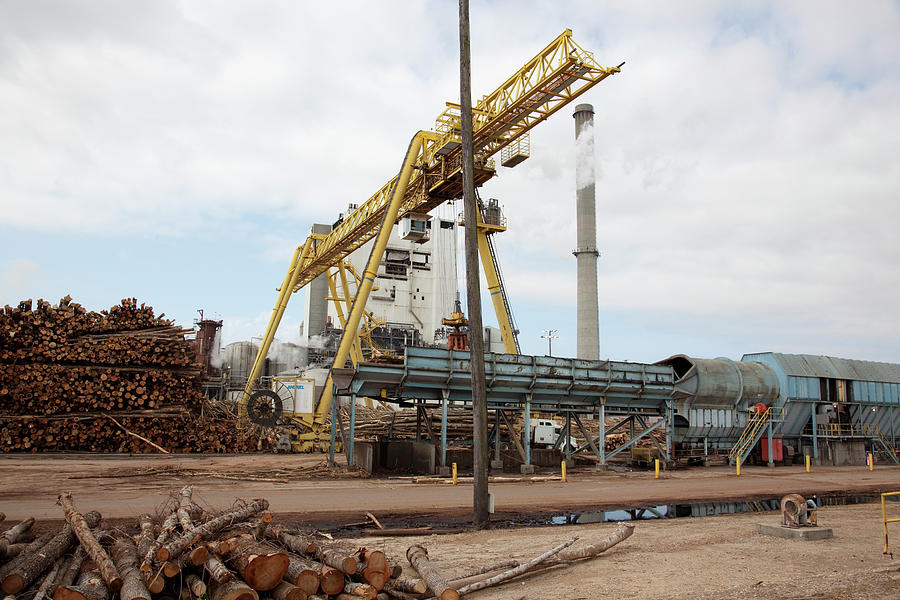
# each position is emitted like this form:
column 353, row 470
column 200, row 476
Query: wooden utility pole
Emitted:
column 473, row 277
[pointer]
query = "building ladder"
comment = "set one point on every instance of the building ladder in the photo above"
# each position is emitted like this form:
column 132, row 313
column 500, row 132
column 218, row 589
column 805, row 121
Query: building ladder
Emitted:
column 887, row 448
column 751, row 434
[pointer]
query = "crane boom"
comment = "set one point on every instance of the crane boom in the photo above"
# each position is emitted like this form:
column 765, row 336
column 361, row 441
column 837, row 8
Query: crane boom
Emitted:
column 558, row 74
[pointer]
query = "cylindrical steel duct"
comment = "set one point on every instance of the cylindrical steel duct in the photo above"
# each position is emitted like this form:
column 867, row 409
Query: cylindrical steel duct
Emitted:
column 721, row 382
column 588, row 346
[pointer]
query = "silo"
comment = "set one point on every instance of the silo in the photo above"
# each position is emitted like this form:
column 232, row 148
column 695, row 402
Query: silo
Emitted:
column 239, row 357
column 316, row 296
column 586, row 254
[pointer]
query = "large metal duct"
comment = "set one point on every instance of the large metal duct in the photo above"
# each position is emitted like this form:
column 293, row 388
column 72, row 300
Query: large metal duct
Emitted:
column 722, row 382
column 588, row 345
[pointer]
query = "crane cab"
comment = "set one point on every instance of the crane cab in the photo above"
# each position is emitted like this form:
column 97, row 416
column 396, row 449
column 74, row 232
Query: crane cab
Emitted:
column 415, row 227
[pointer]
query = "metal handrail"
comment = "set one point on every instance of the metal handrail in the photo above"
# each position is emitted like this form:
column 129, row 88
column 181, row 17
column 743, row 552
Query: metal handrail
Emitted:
column 885, row 520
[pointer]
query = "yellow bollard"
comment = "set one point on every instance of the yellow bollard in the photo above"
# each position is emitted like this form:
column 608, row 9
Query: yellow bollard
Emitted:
column 738, row 468
column 807, row 463
column 656, row 465
column 454, row 474
column 564, row 471
column 870, row 458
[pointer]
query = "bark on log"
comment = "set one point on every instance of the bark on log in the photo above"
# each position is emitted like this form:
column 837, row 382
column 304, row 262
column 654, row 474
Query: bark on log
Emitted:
column 410, row 585
column 165, row 532
column 374, row 568
column 259, row 532
column 217, row 570
column 91, row 546
column 125, row 556
column 12, row 551
column 516, row 571
column 90, row 586
column 396, row 569
column 199, row 532
column 288, row 591
column 195, row 558
column 509, row 564
column 196, row 585
column 184, row 507
column 338, row 559
column 232, row 590
column 28, row 550
column 72, row 568
column 395, row 593
column 418, row 558
column 261, row 569
column 12, row 535
column 147, row 536
column 34, row 565
column 49, row 583
column 304, row 574
column 294, row 543
column 621, row 533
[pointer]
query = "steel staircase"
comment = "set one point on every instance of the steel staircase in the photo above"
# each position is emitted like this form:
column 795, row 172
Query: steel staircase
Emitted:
column 754, row 430
column 887, row 448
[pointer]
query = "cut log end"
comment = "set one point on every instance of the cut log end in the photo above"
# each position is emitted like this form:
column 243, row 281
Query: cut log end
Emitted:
column 265, row 571
column 68, row 593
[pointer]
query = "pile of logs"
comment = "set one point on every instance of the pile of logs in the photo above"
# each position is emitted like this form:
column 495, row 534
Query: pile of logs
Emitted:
column 122, row 380
column 238, row 554
column 381, row 422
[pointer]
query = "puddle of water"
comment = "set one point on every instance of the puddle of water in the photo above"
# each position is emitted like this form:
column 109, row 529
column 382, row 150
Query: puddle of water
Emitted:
column 697, row 509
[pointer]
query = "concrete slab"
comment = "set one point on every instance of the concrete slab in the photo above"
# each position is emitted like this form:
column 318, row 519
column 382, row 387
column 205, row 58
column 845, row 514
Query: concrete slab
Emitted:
column 805, row 534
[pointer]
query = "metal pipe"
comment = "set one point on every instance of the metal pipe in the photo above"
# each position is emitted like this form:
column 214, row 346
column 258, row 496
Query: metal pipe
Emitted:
column 815, row 432
column 771, row 461
column 602, row 432
column 445, row 393
column 528, row 430
column 351, row 459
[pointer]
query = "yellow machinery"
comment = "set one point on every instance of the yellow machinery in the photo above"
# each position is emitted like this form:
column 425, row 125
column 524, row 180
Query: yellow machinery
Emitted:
column 431, row 174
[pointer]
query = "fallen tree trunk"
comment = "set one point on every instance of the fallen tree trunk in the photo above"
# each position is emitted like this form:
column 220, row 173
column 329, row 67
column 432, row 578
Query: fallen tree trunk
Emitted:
column 31, row 548
column 72, row 568
column 125, row 556
column 261, row 569
column 48, row 584
column 622, row 532
column 232, row 590
column 294, row 543
column 34, row 565
column 184, row 507
column 418, row 558
column 217, row 570
column 516, row 571
column 288, row 591
column 304, row 574
column 199, row 532
column 91, row 546
column 165, row 532
column 90, row 586
column 337, row 558
column 12, row 535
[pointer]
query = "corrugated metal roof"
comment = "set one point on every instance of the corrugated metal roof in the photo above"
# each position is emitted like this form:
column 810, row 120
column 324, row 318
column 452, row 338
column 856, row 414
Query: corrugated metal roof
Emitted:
column 809, row 365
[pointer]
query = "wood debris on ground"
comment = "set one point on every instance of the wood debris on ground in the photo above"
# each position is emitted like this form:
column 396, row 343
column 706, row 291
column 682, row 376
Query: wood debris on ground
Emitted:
column 191, row 553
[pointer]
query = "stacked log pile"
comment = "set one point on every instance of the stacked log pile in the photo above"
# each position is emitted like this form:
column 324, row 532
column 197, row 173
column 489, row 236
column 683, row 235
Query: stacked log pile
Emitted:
column 380, row 422
column 237, row 554
column 122, row 380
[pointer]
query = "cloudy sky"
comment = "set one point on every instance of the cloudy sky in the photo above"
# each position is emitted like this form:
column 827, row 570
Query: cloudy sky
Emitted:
column 747, row 159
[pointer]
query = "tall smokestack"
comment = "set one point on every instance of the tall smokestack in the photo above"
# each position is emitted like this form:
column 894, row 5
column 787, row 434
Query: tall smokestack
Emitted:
column 586, row 252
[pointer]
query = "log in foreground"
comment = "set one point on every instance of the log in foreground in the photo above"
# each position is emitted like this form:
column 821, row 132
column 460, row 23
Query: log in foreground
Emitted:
column 261, row 569
column 34, row 565
column 516, row 571
column 93, row 548
column 125, row 556
column 199, row 532
column 418, row 558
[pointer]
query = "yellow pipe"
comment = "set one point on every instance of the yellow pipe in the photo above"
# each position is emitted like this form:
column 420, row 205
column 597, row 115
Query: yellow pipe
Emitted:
column 807, row 463
column 368, row 279
column 563, row 465
column 287, row 287
column 871, row 460
column 495, row 290
column 738, row 468
column 455, row 480
column 656, row 468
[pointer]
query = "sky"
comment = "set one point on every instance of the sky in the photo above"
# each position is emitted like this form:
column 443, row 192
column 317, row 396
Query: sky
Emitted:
column 746, row 160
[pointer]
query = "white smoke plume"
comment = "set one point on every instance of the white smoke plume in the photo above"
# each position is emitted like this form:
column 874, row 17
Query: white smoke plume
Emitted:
column 584, row 158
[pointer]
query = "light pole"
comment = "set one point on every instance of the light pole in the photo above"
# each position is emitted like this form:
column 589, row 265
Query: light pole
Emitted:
column 550, row 335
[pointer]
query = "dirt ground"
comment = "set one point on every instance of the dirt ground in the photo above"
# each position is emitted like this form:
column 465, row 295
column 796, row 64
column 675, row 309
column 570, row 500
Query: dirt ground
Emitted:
column 697, row 558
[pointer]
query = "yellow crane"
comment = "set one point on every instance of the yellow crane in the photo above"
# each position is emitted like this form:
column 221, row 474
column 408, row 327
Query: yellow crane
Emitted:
column 431, row 174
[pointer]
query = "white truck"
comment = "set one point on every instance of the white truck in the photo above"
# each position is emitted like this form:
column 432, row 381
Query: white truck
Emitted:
column 546, row 432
